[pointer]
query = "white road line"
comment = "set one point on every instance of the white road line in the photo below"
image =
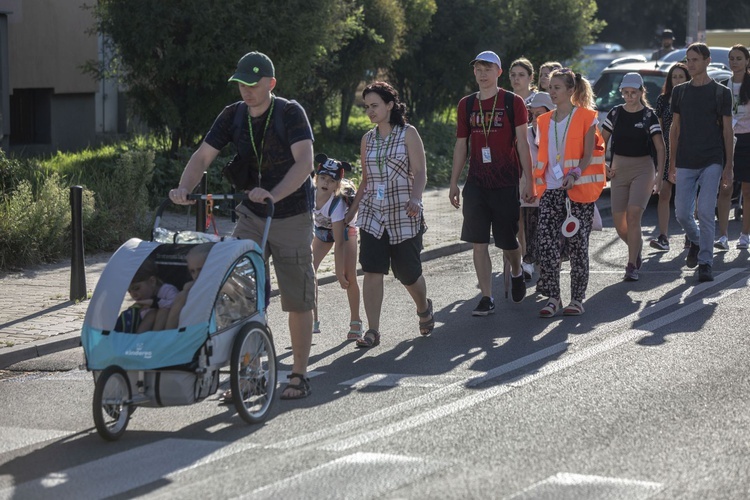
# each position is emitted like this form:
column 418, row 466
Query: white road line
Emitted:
column 368, row 420
column 121, row 472
column 522, row 380
column 565, row 485
column 14, row 438
column 371, row 475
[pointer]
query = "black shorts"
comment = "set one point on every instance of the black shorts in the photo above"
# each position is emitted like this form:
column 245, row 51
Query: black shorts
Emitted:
column 377, row 255
column 742, row 158
column 498, row 209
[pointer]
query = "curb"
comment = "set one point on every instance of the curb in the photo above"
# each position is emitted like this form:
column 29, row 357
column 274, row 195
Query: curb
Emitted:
column 9, row 356
column 12, row 355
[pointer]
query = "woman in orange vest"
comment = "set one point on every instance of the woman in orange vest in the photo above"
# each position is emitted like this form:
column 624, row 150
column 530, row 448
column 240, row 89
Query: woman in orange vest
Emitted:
column 569, row 172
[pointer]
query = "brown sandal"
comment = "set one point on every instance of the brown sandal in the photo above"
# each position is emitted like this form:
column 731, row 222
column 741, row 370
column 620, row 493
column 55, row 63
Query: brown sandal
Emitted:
column 371, row 338
column 426, row 327
column 303, row 387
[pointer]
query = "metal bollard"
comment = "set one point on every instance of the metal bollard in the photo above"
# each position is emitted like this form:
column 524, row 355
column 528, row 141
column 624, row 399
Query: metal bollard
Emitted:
column 77, row 266
column 200, row 206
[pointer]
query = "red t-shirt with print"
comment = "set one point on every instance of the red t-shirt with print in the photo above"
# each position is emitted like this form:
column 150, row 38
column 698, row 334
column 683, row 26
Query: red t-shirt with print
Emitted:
column 504, row 169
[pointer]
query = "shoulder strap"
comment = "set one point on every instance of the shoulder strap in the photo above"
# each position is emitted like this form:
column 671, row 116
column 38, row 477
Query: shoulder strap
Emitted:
column 334, row 202
column 509, row 96
column 239, row 114
column 469, row 108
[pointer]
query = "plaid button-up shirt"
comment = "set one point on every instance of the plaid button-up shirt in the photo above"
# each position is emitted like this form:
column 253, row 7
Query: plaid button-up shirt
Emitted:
column 386, row 162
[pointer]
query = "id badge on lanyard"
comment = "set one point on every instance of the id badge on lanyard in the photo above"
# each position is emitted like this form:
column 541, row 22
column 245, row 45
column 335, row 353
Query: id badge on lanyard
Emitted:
column 486, row 155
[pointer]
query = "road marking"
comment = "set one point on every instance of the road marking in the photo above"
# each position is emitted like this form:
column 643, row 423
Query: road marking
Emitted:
column 564, row 485
column 375, row 473
column 19, row 437
column 525, row 379
column 121, row 472
column 399, row 380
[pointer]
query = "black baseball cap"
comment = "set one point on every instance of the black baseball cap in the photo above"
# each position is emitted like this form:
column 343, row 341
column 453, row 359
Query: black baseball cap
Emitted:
column 252, row 67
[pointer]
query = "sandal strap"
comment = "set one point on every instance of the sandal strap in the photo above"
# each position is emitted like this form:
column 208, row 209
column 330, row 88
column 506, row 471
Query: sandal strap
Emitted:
column 428, row 312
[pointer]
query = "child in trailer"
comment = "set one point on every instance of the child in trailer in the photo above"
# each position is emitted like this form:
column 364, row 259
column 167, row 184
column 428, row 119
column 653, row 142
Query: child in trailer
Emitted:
column 195, row 259
column 333, row 194
column 153, row 300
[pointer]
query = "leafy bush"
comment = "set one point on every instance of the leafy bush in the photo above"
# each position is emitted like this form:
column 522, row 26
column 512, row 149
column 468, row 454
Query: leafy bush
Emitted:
column 122, row 200
column 36, row 225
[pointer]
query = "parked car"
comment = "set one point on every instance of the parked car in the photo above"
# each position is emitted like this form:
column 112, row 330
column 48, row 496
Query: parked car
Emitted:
column 601, row 48
column 592, row 66
column 719, row 55
column 607, row 87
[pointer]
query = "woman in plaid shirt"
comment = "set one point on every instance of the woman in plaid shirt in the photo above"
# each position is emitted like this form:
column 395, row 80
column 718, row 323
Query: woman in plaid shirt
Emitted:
column 389, row 207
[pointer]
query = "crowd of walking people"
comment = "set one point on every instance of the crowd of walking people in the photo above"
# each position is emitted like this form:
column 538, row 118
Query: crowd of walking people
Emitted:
column 536, row 167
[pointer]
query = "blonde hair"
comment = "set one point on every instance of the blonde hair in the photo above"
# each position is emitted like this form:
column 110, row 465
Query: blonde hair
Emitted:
column 583, row 94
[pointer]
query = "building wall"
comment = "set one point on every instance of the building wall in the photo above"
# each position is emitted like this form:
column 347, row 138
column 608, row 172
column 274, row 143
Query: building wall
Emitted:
column 48, row 44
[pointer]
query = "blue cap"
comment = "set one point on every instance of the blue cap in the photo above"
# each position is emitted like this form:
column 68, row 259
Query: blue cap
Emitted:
column 488, row 56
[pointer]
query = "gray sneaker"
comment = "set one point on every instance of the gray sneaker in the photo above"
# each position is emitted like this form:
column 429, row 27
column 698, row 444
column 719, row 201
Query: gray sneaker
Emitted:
column 704, row 273
column 631, row 272
column 486, row 306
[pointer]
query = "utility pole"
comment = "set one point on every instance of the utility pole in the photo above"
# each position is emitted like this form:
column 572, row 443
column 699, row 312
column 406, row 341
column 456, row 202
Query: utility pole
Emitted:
column 696, row 31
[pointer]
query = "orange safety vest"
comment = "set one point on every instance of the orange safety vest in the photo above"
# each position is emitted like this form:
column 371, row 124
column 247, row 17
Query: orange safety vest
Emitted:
column 593, row 179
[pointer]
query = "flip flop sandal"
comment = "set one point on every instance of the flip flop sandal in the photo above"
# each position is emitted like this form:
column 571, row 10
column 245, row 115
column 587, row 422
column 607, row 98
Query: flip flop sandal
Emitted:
column 551, row 309
column 426, row 327
column 354, row 334
column 575, row 308
column 371, row 338
column 303, row 387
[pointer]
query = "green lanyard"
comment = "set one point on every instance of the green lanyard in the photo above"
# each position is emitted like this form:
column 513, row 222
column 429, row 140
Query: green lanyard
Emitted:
column 379, row 151
column 263, row 138
column 565, row 134
column 485, row 129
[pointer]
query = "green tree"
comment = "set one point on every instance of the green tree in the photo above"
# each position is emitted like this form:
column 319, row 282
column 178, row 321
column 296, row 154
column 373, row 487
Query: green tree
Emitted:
column 437, row 73
column 376, row 43
column 174, row 56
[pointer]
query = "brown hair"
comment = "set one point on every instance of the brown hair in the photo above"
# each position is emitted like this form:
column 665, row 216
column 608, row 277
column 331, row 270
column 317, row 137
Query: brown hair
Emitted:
column 389, row 94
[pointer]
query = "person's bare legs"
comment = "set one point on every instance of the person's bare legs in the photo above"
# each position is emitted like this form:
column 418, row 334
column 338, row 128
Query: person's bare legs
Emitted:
column 300, row 329
column 514, row 257
column 483, row 268
column 662, row 209
column 723, row 206
column 320, row 249
column 418, row 292
column 372, row 295
column 634, row 233
column 350, row 269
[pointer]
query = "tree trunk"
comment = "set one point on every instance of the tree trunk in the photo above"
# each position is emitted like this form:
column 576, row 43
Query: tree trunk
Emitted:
column 347, row 102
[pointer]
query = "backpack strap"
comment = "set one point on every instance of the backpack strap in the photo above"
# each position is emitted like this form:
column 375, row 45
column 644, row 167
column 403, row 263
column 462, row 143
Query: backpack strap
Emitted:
column 508, row 103
column 334, row 204
column 279, row 106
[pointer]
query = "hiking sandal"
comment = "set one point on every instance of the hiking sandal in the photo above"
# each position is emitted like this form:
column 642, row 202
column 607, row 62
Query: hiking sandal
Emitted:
column 575, row 308
column 371, row 338
column 551, row 309
column 303, row 387
column 426, row 327
column 354, row 334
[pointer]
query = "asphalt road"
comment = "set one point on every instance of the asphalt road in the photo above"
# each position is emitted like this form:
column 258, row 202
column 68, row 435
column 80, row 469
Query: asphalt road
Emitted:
column 644, row 396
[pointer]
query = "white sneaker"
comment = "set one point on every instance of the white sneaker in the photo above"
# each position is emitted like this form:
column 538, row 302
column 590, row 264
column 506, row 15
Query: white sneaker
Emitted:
column 744, row 241
column 722, row 243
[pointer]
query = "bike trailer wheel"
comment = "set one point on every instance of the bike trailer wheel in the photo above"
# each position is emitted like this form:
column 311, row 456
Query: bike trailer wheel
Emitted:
column 253, row 372
column 112, row 398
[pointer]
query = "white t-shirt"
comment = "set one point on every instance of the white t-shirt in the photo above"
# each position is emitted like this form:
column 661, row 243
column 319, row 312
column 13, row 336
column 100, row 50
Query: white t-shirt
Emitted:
column 552, row 148
column 322, row 219
column 740, row 114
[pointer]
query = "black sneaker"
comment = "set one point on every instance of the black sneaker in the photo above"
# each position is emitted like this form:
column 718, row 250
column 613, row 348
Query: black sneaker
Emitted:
column 692, row 257
column 486, row 306
column 660, row 243
column 704, row 273
column 518, row 288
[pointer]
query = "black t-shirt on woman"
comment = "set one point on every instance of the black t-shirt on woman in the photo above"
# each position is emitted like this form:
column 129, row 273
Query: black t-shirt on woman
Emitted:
column 630, row 135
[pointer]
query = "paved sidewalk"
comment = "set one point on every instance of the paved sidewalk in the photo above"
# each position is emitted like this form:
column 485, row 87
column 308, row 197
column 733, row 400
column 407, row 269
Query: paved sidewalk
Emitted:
column 37, row 317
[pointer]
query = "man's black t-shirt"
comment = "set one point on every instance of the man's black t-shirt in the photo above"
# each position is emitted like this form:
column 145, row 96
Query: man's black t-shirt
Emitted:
column 275, row 153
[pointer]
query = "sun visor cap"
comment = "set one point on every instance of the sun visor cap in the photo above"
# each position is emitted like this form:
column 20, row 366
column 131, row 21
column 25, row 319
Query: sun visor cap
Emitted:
column 252, row 67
